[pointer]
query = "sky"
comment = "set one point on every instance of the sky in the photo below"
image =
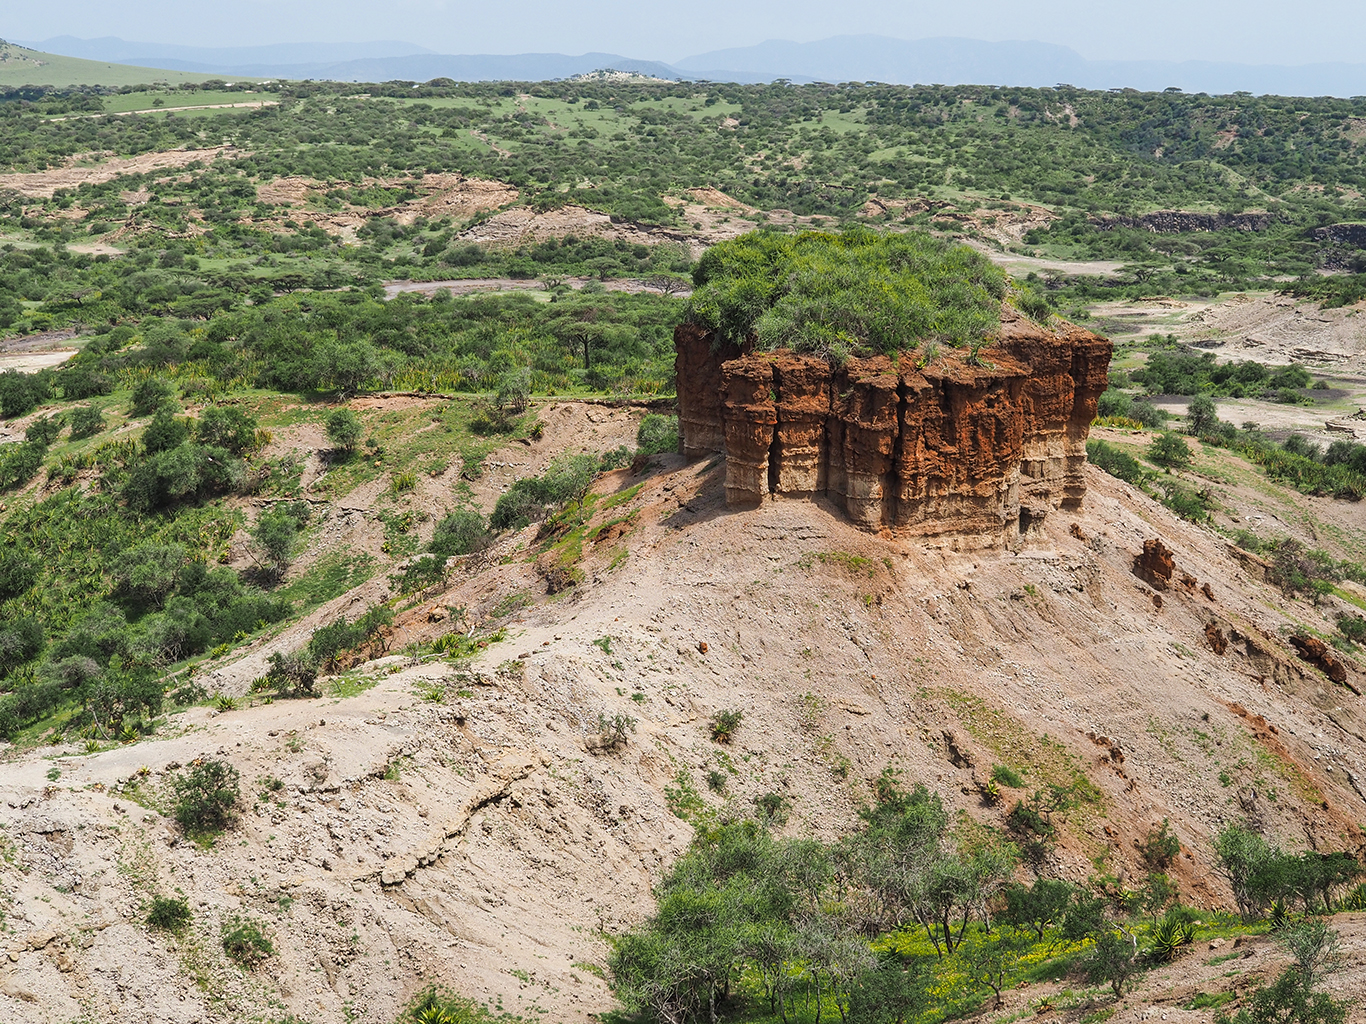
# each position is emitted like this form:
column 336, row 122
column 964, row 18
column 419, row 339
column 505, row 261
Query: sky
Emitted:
column 1241, row 31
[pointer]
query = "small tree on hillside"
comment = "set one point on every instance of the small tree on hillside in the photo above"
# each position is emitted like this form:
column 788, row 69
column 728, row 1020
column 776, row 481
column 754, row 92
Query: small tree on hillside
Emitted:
column 343, row 429
column 1170, row 450
column 1202, row 416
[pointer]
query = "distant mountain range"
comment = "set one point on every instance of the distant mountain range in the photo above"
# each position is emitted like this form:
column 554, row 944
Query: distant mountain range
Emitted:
column 943, row 61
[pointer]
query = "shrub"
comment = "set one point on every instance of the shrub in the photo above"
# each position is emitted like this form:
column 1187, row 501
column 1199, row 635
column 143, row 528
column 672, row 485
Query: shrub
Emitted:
column 19, row 462
column 43, row 430
column 18, row 573
column 724, row 724
column 772, row 807
column 856, row 293
column 459, row 533
column 206, row 797
column 165, row 432
column 1170, row 450
column 20, row 393
column 1148, row 414
column 614, row 728
column 86, row 421
column 514, row 391
column 292, row 671
column 1286, row 1001
column 657, row 434
column 150, row 396
column 615, row 459
column 186, row 473
column 1314, row 946
column 1117, row 463
column 1185, row 501
column 245, row 943
column 427, row 571
column 1112, row 959
column 168, row 914
column 1114, row 402
column 568, row 479
column 226, row 427
column 343, row 429
column 1159, row 847
column 1006, row 777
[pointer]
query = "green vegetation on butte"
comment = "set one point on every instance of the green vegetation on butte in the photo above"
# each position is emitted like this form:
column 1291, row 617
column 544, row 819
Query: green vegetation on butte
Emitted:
column 852, row 293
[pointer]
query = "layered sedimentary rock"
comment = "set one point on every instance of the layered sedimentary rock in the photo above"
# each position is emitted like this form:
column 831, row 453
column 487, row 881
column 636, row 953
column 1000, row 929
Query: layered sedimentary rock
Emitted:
column 920, row 445
column 701, row 424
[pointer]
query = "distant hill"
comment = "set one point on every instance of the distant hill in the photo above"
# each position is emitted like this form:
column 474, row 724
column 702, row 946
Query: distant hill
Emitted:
column 22, row 65
column 355, row 62
column 942, row 61
column 113, row 49
column 952, row 61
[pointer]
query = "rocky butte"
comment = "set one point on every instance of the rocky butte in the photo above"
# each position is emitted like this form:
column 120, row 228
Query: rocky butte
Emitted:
column 974, row 451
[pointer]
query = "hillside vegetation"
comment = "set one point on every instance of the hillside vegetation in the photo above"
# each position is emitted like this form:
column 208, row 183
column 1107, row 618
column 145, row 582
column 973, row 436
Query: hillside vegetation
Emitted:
column 856, row 293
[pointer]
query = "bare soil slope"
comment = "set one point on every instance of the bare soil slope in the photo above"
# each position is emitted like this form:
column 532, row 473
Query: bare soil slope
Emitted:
column 486, row 838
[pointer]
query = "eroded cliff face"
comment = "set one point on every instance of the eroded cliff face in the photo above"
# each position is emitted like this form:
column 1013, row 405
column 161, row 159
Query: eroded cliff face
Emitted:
column 944, row 448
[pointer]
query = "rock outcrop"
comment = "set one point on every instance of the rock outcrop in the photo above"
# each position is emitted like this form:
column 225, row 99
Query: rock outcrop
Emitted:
column 1167, row 222
column 915, row 446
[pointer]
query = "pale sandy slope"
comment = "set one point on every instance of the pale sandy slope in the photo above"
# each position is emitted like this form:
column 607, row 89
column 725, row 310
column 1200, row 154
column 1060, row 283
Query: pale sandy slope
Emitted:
column 509, row 847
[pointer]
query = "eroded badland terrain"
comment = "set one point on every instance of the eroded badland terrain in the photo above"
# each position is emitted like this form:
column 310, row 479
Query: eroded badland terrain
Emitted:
column 851, row 568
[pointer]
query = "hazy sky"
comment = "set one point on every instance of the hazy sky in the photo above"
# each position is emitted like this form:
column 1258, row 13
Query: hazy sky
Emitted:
column 1245, row 31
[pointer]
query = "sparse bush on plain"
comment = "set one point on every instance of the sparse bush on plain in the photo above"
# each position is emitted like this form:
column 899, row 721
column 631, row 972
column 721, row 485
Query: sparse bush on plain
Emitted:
column 168, row 913
column 245, row 943
column 206, row 797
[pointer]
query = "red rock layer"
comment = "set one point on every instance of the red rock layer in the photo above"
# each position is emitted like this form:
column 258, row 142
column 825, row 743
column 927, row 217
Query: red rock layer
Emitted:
column 701, row 420
column 951, row 446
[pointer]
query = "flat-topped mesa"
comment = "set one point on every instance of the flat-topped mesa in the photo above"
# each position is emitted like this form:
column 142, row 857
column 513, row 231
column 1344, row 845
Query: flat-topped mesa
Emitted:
column 953, row 447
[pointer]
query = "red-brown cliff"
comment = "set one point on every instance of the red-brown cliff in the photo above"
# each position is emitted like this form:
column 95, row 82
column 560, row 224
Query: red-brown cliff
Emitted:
column 913, row 446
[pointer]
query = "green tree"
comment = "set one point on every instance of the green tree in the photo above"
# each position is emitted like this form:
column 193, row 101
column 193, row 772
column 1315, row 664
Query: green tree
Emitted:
column 1244, row 859
column 893, row 993
column 1170, row 450
column 276, row 533
column 165, row 432
column 1202, row 417
column 226, row 426
column 989, row 957
column 1287, row 1001
column 1039, row 905
column 150, row 572
column 343, row 429
column 1112, row 959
